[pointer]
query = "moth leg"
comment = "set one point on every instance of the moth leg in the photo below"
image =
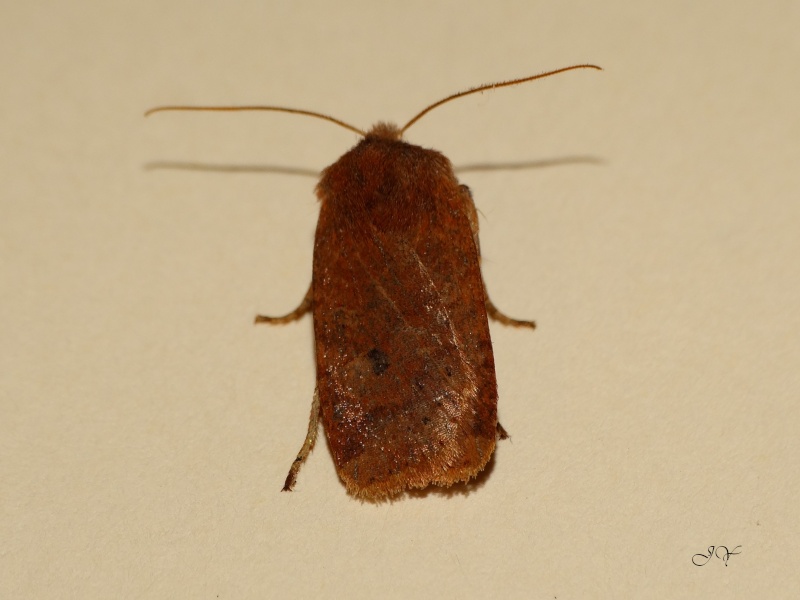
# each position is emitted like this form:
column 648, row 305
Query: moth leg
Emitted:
column 308, row 445
column 495, row 314
column 502, row 434
column 491, row 309
column 296, row 314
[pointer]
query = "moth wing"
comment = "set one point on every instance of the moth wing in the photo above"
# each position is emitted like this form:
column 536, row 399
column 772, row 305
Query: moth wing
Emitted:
column 405, row 369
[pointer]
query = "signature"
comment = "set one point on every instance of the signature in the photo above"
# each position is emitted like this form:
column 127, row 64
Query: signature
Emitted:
column 721, row 552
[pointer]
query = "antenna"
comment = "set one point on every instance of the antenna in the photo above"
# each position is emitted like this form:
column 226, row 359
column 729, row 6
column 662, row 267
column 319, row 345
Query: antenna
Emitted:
column 492, row 86
column 297, row 111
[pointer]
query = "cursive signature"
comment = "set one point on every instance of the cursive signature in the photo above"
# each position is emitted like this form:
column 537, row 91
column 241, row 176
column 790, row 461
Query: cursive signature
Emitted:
column 721, row 552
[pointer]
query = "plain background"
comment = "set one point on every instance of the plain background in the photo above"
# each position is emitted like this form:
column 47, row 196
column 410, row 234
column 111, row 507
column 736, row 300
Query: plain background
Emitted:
column 646, row 216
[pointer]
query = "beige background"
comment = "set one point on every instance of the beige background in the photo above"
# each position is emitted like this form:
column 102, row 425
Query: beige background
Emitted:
column 147, row 425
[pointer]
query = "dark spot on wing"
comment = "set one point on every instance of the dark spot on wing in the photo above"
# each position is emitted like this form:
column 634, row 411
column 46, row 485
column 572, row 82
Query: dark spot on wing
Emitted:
column 380, row 362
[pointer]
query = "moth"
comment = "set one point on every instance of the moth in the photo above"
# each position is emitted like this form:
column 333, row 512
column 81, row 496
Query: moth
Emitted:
column 406, row 387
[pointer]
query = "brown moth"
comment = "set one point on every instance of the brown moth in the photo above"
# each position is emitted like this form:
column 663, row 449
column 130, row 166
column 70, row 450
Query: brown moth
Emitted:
column 406, row 386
